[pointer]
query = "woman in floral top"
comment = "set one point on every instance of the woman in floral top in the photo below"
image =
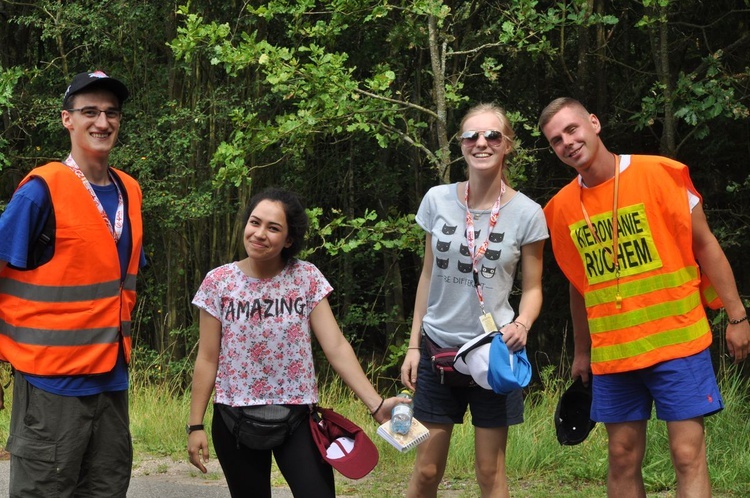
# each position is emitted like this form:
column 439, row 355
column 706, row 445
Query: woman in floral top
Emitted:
column 256, row 319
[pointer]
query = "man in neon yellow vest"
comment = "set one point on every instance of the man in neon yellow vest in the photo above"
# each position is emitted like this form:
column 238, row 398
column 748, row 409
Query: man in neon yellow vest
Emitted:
column 630, row 234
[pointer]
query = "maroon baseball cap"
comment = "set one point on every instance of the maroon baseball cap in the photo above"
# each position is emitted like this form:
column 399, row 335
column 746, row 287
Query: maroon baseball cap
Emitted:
column 96, row 79
column 342, row 443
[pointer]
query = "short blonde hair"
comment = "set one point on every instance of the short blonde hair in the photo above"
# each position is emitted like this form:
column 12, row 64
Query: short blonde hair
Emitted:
column 558, row 105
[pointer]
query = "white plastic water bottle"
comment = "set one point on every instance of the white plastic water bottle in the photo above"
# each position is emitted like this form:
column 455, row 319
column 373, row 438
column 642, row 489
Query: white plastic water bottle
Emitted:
column 402, row 414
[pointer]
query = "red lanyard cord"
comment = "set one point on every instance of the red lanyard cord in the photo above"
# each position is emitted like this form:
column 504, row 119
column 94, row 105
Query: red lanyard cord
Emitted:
column 479, row 253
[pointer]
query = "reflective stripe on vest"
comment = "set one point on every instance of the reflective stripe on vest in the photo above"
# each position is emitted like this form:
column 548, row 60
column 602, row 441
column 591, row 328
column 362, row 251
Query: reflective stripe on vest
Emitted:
column 662, row 281
column 615, row 335
column 708, row 294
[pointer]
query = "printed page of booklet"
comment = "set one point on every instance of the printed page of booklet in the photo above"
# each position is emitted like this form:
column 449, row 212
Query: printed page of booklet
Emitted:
column 417, row 434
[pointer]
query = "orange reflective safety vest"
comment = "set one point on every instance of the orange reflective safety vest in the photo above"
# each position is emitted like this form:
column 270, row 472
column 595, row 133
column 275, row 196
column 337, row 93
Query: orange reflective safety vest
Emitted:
column 661, row 316
column 69, row 315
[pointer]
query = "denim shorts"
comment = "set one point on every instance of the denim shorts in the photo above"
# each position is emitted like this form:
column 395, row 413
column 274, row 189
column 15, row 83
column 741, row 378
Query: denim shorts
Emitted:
column 439, row 404
column 681, row 389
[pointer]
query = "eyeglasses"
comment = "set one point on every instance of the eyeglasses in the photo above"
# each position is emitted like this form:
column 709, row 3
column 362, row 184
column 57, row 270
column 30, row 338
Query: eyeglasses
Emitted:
column 470, row 137
column 93, row 113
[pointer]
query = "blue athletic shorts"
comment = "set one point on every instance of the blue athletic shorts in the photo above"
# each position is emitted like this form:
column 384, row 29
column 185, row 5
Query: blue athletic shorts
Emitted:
column 439, row 404
column 680, row 389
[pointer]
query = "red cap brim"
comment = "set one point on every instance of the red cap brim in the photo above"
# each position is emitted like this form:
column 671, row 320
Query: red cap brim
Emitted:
column 328, row 427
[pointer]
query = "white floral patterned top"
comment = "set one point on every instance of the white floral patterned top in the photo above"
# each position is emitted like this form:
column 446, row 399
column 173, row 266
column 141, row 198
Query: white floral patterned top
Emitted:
column 266, row 349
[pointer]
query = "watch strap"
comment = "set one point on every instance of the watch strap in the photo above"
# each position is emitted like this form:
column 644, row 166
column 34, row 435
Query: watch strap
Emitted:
column 191, row 428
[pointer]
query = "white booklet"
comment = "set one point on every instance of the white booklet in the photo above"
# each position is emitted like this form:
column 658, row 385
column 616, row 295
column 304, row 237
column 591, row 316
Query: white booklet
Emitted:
column 417, row 434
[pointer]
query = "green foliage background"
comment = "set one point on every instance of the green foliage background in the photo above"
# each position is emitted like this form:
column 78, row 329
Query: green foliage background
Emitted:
column 354, row 104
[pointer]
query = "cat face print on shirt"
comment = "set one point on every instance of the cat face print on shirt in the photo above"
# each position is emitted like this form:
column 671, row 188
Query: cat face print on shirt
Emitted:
column 452, row 251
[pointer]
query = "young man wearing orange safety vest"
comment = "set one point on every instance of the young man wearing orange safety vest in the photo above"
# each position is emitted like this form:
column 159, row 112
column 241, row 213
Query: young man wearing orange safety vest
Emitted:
column 70, row 249
column 630, row 234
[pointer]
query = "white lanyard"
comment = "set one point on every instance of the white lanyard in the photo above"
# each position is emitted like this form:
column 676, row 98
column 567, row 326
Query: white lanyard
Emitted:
column 116, row 231
column 479, row 253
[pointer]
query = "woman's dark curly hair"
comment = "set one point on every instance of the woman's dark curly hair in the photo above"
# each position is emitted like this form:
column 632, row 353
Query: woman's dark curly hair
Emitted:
column 296, row 217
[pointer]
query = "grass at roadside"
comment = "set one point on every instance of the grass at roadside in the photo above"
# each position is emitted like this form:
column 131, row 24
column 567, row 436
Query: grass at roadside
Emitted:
column 537, row 464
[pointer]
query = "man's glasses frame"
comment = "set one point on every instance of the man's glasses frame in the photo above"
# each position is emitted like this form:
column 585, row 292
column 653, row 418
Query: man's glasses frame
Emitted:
column 470, row 137
column 94, row 112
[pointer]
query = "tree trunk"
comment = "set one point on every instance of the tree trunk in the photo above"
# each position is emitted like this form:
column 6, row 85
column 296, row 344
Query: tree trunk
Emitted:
column 659, row 36
column 437, row 61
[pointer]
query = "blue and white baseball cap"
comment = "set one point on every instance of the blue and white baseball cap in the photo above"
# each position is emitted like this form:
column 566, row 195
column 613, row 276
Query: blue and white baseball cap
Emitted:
column 487, row 359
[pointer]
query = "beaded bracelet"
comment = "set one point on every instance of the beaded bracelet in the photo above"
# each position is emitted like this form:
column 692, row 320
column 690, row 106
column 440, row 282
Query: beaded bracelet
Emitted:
column 740, row 320
column 372, row 414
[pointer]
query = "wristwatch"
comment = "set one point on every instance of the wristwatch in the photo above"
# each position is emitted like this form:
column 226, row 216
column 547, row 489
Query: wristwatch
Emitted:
column 190, row 428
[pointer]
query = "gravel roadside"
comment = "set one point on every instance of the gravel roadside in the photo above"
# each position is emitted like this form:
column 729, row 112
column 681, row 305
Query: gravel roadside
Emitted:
column 163, row 477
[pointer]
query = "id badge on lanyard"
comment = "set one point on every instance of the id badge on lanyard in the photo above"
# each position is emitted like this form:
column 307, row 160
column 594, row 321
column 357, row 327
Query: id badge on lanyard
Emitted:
column 486, row 319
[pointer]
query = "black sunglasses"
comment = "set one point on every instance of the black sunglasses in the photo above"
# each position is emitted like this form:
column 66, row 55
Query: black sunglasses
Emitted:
column 470, row 137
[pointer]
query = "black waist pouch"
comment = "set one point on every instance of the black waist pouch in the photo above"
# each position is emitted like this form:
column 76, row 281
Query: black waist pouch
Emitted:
column 262, row 427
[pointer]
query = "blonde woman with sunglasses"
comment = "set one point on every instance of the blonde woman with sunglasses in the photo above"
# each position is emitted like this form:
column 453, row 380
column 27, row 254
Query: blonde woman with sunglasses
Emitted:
column 477, row 233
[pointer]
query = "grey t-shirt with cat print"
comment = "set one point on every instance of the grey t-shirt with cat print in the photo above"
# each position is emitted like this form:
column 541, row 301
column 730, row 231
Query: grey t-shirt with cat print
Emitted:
column 453, row 309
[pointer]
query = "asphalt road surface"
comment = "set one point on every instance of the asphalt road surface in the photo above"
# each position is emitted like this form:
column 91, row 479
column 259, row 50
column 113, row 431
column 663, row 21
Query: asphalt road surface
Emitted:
column 166, row 480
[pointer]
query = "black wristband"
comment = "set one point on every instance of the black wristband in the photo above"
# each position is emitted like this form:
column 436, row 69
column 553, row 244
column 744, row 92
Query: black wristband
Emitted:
column 740, row 320
column 373, row 413
column 192, row 428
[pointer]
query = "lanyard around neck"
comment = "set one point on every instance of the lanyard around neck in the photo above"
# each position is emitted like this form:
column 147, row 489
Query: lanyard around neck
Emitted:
column 615, row 248
column 470, row 236
column 115, row 230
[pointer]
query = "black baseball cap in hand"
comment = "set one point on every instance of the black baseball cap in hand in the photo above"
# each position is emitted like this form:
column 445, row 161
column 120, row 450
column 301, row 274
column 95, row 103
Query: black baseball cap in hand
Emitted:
column 573, row 414
column 96, row 79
